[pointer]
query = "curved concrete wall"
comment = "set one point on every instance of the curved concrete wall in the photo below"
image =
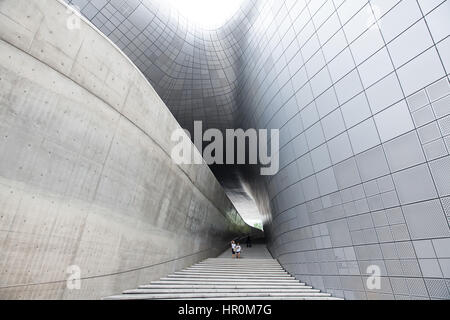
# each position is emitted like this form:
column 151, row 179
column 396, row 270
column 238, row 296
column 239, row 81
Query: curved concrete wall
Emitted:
column 86, row 177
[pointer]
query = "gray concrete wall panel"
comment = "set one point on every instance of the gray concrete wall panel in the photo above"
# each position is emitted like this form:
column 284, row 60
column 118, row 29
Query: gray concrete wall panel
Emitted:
column 86, row 176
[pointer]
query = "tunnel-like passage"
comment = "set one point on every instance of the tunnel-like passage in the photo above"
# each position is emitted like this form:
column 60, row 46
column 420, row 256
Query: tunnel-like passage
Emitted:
column 87, row 185
column 359, row 91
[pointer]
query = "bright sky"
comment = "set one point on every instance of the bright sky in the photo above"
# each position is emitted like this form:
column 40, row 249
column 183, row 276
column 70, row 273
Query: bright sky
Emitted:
column 210, row 14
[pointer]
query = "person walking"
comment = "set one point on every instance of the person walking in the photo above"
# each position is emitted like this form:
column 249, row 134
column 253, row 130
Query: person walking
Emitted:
column 249, row 242
column 233, row 249
column 238, row 251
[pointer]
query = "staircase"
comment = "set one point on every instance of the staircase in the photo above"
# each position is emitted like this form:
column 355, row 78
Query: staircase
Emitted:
column 227, row 279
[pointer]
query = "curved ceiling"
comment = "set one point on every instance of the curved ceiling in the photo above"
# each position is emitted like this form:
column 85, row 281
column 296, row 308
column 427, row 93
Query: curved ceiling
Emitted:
column 194, row 70
column 207, row 14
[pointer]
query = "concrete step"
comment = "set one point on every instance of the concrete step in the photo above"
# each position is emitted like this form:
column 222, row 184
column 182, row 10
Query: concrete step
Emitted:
column 240, row 265
column 246, row 259
column 223, row 280
column 242, row 261
column 225, row 275
column 241, row 270
column 260, row 290
column 234, row 266
column 228, row 287
column 231, row 282
column 239, row 262
column 231, row 276
column 236, row 275
column 231, row 270
column 216, row 295
column 251, row 298
column 227, row 279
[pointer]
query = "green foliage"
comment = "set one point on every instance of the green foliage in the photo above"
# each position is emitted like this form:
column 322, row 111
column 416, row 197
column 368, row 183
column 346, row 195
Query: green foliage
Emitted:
column 258, row 226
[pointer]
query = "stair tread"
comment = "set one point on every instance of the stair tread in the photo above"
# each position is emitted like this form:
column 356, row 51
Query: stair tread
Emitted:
column 232, row 280
column 199, row 286
column 231, row 290
column 227, row 279
column 266, row 298
column 215, row 295
column 224, row 275
column 222, row 283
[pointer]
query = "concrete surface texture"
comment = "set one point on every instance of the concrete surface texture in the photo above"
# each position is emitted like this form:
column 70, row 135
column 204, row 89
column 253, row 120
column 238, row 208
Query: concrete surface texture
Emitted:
column 360, row 92
column 86, row 177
